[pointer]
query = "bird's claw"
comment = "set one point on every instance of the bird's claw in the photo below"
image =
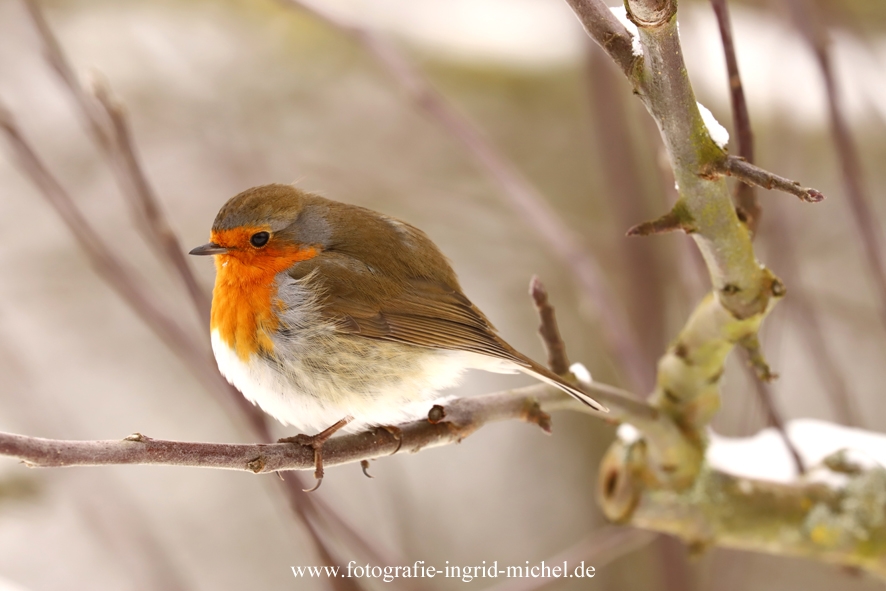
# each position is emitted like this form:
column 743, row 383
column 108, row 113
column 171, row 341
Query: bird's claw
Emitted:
column 316, row 442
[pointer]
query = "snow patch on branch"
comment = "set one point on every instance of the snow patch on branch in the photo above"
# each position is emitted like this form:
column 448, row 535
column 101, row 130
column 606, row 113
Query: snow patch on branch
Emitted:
column 581, row 373
column 717, row 132
column 764, row 456
column 628, row 434
column 622, row 15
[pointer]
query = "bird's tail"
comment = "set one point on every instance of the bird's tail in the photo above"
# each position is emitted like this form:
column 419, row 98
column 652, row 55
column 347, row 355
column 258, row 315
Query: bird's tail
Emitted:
column 540, row 372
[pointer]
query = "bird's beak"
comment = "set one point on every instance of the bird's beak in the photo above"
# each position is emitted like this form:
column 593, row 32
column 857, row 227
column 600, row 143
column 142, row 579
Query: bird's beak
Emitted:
column 209, row 248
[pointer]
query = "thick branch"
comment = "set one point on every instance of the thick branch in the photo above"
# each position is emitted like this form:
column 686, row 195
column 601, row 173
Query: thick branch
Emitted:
column 687, row 387
column 840, row 525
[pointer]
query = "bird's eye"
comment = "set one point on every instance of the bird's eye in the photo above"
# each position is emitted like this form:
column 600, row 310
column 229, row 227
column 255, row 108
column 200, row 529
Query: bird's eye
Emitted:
column 259, row 239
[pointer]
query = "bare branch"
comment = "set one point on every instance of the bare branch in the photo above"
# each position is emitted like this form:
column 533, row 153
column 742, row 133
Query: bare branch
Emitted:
column 774, row 418
column 745, row 196
column 451, row 423
column 558, row 362
column 602, row 26
column 106, row 121
column 517, row 192
column 159, row 232
column 746, row 172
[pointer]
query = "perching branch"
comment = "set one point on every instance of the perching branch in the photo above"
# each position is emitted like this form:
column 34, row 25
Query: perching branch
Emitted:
column 447, row 424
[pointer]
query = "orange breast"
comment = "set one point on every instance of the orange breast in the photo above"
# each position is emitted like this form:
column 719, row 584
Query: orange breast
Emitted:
column 244, row 305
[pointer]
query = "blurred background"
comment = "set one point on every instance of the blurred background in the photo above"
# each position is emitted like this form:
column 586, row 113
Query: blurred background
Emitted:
column 224, row 95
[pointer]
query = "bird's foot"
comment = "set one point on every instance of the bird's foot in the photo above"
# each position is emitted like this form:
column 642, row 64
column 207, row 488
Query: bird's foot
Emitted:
column 397, row 434
column 316, row 443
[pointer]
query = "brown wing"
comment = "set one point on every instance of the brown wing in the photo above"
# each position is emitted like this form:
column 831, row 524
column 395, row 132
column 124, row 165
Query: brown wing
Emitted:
column 420, row 311
column 417, row 311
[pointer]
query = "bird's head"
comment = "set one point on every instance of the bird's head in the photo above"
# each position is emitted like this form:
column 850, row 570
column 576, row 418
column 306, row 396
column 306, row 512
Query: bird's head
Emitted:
column 270, row 227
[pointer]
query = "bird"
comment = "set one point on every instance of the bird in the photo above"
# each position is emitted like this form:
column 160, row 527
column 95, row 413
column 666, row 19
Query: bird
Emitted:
column 332, row 316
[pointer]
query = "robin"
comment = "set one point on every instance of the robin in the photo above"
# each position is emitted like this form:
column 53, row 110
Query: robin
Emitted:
column 325, row 313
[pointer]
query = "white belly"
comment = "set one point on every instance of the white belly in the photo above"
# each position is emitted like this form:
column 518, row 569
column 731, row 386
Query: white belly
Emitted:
column 376, row 383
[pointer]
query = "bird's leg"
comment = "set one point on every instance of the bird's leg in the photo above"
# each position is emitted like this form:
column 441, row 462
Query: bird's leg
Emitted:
column 316, row 442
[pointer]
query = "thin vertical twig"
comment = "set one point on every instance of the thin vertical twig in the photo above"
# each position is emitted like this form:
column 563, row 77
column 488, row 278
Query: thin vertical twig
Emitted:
column 775, row 420
column 745, row 194
column 558, row 361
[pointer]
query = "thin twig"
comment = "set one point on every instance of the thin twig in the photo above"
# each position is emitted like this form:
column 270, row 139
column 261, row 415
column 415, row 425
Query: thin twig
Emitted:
column 774, row 419
column 746, row 172
column 159, row 231
column 453, row 422
column 745, row 196
column 517, row 191
column 807, row 20
column 106, row 121
column 558, row 362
